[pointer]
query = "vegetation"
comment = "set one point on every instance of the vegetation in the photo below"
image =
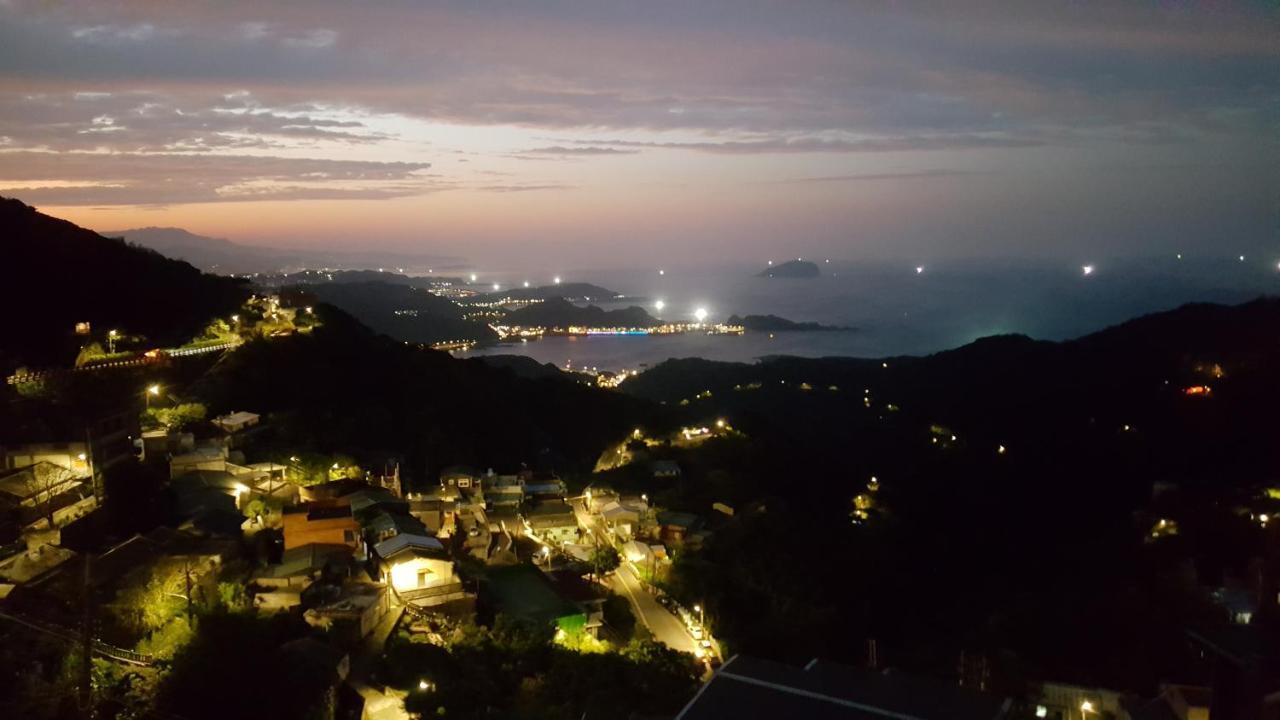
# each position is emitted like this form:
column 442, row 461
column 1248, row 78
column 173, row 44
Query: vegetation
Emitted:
column 1016, row 485
column 342, row 389
column 516, row 671
column 175, row 418
column 111, row 285
column 207, row 678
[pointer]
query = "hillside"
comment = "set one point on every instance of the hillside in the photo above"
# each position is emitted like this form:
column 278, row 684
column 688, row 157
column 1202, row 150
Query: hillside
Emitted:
column 342, row 389
column 401, row 311
column 66, row 274
column 573, row 292
column 1017, row 480
column 324, row 277
column 557, row 312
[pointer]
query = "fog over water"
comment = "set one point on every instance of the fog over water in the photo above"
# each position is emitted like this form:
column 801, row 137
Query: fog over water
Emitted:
column 895, row 310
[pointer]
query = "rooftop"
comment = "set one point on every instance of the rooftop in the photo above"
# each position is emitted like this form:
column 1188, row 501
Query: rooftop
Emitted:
column 307, row 559
column 523, row 591
column 407, row 542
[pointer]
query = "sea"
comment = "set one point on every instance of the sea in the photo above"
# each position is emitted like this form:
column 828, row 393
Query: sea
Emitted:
column 890, row 309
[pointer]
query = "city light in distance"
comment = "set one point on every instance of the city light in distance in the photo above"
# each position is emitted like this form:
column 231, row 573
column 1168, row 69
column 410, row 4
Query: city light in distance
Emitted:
column 658, row 305
column 1086, row 269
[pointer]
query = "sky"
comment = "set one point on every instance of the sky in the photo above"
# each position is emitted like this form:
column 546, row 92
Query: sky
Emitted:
column 606, row 134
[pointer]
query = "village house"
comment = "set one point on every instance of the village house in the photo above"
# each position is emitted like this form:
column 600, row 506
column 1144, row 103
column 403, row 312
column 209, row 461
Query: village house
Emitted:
column 34, row 493
column 236, row 422
column 327, row 524
column 460, row 479
column 551, row 522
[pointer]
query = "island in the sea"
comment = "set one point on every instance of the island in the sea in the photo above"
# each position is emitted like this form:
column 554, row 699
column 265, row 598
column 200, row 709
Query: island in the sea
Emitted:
column 558, row 312
column 791, row 269
column 773, row 323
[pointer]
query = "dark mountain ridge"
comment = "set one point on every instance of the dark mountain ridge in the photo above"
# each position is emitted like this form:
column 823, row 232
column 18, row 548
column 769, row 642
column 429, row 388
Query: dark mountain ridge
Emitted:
column 67, row 275
column 401, row 311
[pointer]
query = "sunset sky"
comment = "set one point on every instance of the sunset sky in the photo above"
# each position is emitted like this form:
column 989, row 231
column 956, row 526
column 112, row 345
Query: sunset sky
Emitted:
column 605, row 133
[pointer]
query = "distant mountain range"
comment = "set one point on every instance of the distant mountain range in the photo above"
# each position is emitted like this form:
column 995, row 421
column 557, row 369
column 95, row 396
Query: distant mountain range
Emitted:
column 226, row 257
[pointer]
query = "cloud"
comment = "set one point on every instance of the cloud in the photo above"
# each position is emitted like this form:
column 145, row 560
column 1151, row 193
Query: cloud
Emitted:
column 586, row 150
column 873, row 177
column 522, row 188
column 919, row 67
column 115, row 33
column 771, row 146
column 81, row 178
column 146, row 121
column 320, row 38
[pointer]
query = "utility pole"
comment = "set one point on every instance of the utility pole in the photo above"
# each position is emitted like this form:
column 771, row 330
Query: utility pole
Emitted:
column 186, row 571
column 86, row 643
column 93, row 465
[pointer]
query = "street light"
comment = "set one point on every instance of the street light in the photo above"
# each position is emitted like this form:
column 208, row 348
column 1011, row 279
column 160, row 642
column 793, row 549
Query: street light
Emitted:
column 701, row 617
column 152, row 390
column 111, row 341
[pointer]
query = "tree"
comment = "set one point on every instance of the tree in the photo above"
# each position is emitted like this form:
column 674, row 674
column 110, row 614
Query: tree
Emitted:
column 43, row 485
column 618, row 616
column 178, row 417
column 605, row 559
